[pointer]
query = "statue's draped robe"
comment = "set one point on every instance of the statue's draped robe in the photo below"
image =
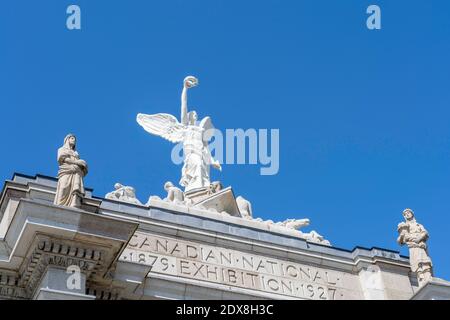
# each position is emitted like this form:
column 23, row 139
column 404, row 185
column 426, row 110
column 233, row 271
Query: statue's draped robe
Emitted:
column 418, row 251
column 70, row 178
column 195, row 172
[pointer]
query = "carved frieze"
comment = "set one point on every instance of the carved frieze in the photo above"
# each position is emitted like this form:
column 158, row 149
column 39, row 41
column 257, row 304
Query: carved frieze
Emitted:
column 229, row 267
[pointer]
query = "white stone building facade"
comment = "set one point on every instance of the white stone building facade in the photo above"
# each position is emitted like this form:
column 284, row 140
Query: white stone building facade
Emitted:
column 109, row 249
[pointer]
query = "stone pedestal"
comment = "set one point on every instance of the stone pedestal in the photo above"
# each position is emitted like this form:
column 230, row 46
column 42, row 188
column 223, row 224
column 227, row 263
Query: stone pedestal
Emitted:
column 220, row 201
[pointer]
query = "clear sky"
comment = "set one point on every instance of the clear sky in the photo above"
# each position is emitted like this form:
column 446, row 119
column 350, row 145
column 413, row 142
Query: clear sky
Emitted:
column 363, row 115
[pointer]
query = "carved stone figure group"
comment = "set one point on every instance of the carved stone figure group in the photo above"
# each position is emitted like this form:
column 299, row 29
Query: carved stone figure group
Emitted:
column 123, row 193
column 195, row 176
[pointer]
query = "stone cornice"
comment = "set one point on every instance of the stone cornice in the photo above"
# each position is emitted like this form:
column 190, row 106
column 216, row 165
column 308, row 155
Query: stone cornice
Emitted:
column 41, row 235
column 46, row 251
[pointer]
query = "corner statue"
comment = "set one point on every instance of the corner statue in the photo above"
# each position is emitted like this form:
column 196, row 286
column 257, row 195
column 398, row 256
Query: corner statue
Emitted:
column 70, row 189
column 195, row 138
column 414, row 235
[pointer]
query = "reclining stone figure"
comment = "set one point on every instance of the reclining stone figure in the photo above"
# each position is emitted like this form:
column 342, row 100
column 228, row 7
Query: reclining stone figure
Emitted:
column 289, row 225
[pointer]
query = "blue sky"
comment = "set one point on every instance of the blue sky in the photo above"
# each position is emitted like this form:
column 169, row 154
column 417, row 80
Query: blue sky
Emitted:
column 363, row 115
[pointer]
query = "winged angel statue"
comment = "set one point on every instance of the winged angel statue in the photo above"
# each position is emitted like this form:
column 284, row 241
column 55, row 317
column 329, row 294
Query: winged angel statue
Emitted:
column 194, row 136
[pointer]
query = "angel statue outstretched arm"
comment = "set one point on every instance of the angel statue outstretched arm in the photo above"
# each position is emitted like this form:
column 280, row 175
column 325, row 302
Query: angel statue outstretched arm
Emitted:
column 189, row 82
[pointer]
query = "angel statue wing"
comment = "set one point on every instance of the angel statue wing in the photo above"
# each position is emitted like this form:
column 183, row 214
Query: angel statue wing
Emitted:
column 163, row 125
column 207, row 125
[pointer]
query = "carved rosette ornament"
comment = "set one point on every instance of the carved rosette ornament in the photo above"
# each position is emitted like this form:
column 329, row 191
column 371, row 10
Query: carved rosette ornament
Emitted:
column 414, row 235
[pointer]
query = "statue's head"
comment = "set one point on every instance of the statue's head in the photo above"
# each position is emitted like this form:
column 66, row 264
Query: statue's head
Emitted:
column 70, row 141
column 168, row 185
column 408, row 214
column 130, row 192
column 192, row 116
column 190, row 82
column 118, row 186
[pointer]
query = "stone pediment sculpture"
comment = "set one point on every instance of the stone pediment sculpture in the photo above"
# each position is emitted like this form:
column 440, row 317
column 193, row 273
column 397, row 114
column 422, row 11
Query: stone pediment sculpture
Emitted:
column 294, row 225
column 193, row 135
column 245, row 208
column 414, row 235
column 72, row 170
column 124, row 194
column 199, row 192
column 174, row 194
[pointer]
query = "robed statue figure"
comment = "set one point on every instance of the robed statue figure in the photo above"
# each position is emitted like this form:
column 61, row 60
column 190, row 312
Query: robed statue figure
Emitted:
column 415, row 236
column 72, row 169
